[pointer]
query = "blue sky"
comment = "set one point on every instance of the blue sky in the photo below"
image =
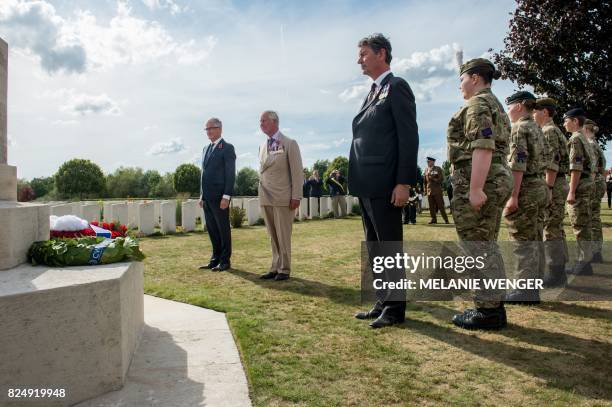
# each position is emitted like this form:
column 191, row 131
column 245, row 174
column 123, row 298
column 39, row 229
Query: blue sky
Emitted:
column 130, row 83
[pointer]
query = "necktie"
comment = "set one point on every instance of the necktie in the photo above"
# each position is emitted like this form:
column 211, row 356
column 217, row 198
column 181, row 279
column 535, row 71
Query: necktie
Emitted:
column 371, row 94
column 270, row 143
column 208, row 151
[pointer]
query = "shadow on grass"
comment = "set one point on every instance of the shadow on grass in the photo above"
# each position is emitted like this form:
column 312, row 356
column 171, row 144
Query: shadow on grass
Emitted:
column 578, row 310
column 340, row 295
column 572, row 364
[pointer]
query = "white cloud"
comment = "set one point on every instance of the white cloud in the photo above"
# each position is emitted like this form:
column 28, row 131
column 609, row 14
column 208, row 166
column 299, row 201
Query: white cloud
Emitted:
column 355, row 91
column 84, row 104
column 81, row 43
column 338, row 143
column 64, row 122
column 168, row 147
column 34, row 26
column 164, row 4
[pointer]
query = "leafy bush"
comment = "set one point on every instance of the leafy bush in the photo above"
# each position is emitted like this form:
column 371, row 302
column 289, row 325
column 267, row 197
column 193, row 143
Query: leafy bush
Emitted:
column 80, row 178
column 187, row 179
column 237, row 216
column 356, row 209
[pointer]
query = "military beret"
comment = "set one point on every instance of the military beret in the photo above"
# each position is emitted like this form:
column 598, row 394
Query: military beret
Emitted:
column 541, row 103
column 519, row 97
column 431, row 159
column 574, row 113
column 476, row 62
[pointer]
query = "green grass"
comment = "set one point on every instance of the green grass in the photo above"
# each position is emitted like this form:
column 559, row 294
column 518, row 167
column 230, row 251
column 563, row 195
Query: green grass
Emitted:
column 300, row 344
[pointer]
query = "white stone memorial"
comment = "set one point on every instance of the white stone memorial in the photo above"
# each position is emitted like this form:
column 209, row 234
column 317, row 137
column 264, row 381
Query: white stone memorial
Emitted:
column 303, row 209
column 314, row 208
column 157, row 212
column 119, row 213
column 72, row 328
column 61, row 210
column 132, row 214
column 107, row 211
column 168, row 217
column 325, row 206
column 253, row 211
column 90, row 212
column 146, row 222
column 189, row 213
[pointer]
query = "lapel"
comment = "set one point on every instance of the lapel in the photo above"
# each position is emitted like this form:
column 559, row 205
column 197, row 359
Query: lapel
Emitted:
column 265, row 159
column 375, row 98
column 218, row 146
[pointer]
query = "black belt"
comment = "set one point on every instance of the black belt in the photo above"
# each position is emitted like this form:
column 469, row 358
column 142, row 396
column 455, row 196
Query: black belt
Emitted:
column 467, row 163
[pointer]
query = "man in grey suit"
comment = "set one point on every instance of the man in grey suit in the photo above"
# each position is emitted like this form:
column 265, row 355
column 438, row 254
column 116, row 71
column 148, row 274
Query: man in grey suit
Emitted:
column 281, row 178
column 216, row 190
column 382, row 165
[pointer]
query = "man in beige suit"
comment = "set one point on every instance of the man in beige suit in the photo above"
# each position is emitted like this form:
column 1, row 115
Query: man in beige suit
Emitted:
column 281, row 179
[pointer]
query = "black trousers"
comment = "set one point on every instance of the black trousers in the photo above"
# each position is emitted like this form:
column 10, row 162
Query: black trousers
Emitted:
column 410, row 211
column 382, row 222
column 218, row 226
column 609, row 198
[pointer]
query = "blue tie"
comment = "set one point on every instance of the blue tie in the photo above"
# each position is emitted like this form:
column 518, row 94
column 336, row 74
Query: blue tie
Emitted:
column 208, row 151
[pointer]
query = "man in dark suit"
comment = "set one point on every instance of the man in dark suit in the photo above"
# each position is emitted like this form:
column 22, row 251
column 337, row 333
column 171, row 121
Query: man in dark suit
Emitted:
column 382, row 165
column 216, row 190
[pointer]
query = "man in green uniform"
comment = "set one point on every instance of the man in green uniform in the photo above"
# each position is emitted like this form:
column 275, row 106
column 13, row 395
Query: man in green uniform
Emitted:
column 434, row 177
column 477, row 137
column 581, row 186
column 527, row 160
column 554, row 235
column 590, row 130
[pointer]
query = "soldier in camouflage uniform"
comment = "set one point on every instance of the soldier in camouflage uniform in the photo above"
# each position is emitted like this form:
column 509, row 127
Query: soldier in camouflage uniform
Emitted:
column 580, row 189
column 590, row 130
column 554, row 235
column 477, row 139
column 527, row 160
column 434, row 177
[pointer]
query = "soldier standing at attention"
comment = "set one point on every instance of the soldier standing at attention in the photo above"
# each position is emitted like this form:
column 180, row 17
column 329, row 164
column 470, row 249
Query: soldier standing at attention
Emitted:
column 590, row 130
column 477, row 139
column 529, row 194
column 434, row 177
column 554, row 235
column 580, row 189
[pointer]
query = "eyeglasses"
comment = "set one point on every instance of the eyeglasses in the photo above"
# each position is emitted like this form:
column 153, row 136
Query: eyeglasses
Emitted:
column 210, row 128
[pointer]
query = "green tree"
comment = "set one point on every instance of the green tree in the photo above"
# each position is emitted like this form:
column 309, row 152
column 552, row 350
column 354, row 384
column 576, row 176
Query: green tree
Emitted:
column 562, row 49
column 339, row 163
column 246, row 183
column 187, row 179
column 42, row 186
column 125, row 182
column 165, row 187
column 150, row 180
column 321, row 166
column 79, row 178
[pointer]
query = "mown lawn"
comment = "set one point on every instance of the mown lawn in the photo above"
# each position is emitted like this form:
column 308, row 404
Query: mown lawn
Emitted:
column 300, row 344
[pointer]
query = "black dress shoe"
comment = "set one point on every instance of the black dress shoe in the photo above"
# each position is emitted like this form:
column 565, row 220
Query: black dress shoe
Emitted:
column 371, row 314
column 209, row 266
column 221, row 267
column 386, row 320
column 481, row 318
column 281, row 277
column 269, row 275
column 432, row 222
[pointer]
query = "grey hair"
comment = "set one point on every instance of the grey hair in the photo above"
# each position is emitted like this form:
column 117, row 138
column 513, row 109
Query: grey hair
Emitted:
column 272, row 115
column 215, row 121
column 377, row 41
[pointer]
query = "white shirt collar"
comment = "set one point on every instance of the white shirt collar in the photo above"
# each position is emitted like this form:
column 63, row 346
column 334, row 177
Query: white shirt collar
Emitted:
column 276, row 135
column 382, row 76
column 216, row 142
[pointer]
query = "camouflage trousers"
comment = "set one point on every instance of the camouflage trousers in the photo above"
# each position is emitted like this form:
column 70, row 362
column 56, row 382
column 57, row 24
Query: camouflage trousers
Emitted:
column 554, row 235
column 580, row 218
column 599, row 191
column 479, row 229
column 525, row 228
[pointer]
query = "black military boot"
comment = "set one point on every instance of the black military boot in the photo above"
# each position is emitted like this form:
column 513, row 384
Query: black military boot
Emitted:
column 556, row 277
column 581, row 268
column 523, row 297
column 597, row 258
column 481, row 318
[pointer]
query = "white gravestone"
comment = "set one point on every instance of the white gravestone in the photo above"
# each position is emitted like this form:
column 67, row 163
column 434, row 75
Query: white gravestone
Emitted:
column 189, row 213
column 314, row 208
column 90, row 212
column 253, row 211
column 168, row 217
column 146, row 221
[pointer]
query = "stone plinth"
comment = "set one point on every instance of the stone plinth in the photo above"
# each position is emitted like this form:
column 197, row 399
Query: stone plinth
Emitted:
column 20, row 225
column 132, row 214
column 91, row 212
column 8, row 183
column 314, row 208
column 146, row 223
column 168, row 217
column 189, row 213
column 74, row 328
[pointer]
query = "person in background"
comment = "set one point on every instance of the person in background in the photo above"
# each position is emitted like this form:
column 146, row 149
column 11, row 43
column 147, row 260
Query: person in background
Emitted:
column 335, row 183
column 609, row 187
column 599, row 190
column 315, row 185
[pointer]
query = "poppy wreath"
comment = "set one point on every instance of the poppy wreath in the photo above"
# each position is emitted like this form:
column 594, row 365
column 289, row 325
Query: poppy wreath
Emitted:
column 116, row 229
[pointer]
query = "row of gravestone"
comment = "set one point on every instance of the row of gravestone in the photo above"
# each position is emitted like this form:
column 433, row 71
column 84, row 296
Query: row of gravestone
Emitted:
column 148, row 215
